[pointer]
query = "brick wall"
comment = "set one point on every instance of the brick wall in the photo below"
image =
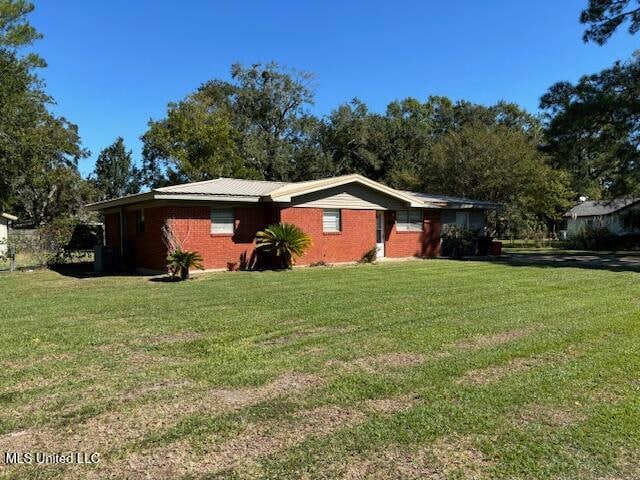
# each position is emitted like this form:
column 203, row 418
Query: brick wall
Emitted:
column 112, row 230
column 406, row 244
column 146, row 249
column 357, row 236
column 192, row 226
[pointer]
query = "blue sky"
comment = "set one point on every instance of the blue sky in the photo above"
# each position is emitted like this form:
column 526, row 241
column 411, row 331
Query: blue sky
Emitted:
column 114, row 65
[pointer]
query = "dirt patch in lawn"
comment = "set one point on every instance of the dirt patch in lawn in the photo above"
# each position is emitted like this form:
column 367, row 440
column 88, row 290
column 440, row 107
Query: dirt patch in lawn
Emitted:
column 486, row 341
column 35, row 361
column 239, row 453
column 167, row 338
column 553, row 416
column 110, row 430
column 484, row 376
column 394, row 462
column 458, row 457
column 449, row 457
column 380, row 363
column 394, row 404
column 291, row 337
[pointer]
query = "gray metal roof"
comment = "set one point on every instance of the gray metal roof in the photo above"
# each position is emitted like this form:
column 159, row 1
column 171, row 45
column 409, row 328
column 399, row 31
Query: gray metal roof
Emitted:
column 453, row 202
column 224, row 186
column 235, row 189
column 600, row 207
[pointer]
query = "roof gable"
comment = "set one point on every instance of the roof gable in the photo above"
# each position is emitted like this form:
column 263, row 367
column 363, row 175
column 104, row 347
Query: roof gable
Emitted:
column 286, row 192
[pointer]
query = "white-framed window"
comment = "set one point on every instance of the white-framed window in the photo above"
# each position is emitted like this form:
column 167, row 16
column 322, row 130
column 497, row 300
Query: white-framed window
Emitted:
column 222, row 220
column 331, row 220
column 462, row 219
column 409, row 220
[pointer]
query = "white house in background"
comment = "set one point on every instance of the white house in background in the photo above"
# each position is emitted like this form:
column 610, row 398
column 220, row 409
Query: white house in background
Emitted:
column 621, row 216
column 5, row 218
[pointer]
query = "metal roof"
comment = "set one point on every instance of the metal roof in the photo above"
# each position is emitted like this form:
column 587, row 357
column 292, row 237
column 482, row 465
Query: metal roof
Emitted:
column 600, row 207
column 453, row 202
column 225, row 186
column 235, row 189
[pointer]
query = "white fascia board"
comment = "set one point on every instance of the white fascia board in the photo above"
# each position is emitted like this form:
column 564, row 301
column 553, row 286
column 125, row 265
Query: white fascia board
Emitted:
column 117, row 202
column 200, row 197
column 154, row 195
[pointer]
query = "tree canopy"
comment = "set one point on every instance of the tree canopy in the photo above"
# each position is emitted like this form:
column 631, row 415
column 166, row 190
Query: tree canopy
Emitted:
column 593, row 130
column 115, row 174
column 38, row 150
column 253, row 126
column 605, row 16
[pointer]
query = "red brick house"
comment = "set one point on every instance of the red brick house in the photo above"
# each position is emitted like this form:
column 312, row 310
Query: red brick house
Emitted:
column 345, row 216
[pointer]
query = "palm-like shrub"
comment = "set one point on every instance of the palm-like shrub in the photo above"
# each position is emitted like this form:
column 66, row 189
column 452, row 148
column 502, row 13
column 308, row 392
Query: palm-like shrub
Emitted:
column 181, row 261
column 285, row 241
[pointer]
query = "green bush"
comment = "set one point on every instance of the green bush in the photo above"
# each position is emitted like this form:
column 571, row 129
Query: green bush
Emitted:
column 593, row 238
column 370, row 256
column 456, row 241
column 285, row 241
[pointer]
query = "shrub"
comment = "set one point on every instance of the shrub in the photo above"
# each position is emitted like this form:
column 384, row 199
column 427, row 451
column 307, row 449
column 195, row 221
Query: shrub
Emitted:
column 321, row 263
column 285, row 241
column 370, row 256
column 456, row 241
column 179, row 262
column 593, row 238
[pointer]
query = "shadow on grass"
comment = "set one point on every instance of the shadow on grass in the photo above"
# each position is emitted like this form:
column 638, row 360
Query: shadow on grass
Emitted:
column 85, row 270
column 592, row 261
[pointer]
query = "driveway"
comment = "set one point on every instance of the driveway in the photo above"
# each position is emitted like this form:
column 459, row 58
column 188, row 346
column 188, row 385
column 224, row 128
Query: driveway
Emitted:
column 611, row 262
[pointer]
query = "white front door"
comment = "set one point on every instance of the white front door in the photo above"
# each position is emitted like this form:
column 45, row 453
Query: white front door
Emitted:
column 380, row 234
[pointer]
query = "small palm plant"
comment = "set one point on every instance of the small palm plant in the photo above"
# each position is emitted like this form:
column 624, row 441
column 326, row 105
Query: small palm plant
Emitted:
column 180, row 261
column 285, row 241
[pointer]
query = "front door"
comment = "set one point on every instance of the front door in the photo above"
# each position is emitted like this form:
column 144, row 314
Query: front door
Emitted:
column 380, row 234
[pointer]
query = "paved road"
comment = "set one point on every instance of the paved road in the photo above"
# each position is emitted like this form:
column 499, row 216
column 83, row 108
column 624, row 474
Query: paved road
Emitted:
column 611, row 262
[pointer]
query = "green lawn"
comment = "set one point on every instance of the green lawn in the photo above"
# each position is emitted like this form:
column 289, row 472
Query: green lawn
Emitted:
column 423, row 369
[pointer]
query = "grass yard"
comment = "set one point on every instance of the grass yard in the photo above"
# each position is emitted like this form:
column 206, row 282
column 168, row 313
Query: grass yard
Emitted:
column 422, row 369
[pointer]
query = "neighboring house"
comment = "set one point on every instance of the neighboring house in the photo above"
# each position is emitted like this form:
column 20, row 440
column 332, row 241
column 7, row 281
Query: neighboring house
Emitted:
column 344, row 216
column 619, row 215
column 5, row 218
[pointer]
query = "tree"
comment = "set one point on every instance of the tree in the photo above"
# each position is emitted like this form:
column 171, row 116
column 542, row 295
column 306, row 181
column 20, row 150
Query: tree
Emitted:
column 605, row 16
column 255, row 126
column 497, row 163
column 15, row 30
column 593, row 130
column 115, row 175
column 346, row 137
column 38, row 151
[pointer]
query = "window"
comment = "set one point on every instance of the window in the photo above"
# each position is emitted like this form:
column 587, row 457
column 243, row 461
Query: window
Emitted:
column 331, row 220
column 222, row 220
column 462, row 219
column 140, row 220
column 409, row 220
